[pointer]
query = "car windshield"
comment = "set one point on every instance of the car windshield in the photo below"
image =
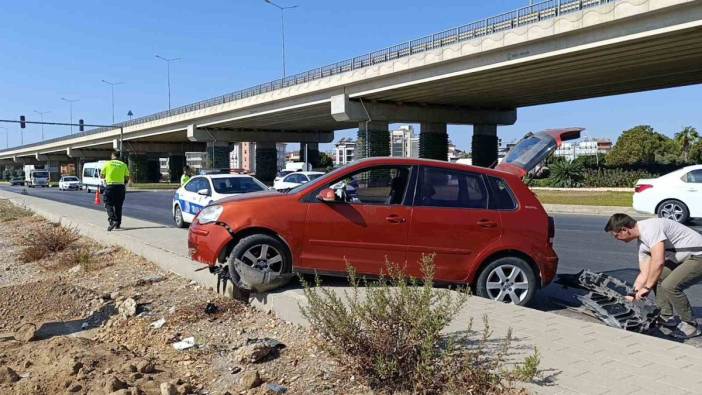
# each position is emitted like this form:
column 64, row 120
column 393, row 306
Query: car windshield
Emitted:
column 231, row 185
column 70, row 178
column 41, row 174
column 306, row 185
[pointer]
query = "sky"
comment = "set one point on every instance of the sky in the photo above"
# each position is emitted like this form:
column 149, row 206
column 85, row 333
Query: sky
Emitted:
column 52, row 49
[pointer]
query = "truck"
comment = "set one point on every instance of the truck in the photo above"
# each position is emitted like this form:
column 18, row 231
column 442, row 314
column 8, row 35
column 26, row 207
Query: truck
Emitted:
column 36, row 176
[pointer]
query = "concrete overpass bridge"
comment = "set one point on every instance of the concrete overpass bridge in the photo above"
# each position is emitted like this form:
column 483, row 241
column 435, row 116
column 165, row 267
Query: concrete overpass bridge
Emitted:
column 477, row 74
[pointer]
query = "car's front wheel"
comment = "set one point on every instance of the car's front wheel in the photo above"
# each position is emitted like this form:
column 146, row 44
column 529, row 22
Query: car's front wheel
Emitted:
column 509, row 280
column 675, row 210
column 263, row 253
column 178, row 218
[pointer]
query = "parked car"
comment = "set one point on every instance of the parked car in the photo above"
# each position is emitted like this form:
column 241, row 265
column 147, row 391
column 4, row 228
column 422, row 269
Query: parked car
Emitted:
column 69, row 183
column 485, row 226
column 279, row 176
column 676, row 195
column 295, row 179
column 202, row 190
column 16, row 181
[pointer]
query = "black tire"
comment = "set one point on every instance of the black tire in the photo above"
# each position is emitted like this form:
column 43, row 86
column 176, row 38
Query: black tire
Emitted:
column 178, row 217
column 673, row 209
column 250, row 243
column 511, row 288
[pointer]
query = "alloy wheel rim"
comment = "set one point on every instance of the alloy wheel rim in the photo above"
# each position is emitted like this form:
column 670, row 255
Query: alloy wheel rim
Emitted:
column 263, row 257
column 672, row 211
column 179, row 215
column 508, row 284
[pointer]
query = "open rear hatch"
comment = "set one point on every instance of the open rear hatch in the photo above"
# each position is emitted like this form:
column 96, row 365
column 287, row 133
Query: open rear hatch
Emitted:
column 533, row 148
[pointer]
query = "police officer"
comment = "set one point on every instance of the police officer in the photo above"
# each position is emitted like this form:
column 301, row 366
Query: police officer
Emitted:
column 116, row 174
column 186, row 175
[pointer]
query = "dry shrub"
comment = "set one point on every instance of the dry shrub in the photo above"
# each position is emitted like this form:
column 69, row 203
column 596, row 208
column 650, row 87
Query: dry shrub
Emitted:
column 393, row 337
column 79, row 255
column 47, row 240
column 11, row 212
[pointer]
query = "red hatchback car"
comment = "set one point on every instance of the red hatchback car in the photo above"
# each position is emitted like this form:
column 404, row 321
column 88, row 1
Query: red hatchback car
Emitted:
column 485, row 226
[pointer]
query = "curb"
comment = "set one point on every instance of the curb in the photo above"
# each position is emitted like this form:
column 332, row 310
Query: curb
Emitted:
column 592, row 210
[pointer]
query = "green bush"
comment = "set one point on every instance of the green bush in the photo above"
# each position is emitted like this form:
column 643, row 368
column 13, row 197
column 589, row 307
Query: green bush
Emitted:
column 614, row 178
column 393, row 337
column 566, row 174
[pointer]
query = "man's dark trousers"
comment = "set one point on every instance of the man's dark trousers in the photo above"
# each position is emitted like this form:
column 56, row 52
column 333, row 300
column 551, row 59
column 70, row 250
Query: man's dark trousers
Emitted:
column 114, row 199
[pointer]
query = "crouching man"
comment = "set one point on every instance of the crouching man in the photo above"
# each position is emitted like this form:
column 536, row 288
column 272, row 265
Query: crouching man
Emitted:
column 670, row 260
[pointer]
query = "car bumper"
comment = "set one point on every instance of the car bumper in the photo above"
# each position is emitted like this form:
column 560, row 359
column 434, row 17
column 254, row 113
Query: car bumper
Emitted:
column 206, row 242
column 548, row 265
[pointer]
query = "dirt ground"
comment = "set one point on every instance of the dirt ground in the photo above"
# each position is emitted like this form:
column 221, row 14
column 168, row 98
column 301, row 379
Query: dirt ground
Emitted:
column 84, row 321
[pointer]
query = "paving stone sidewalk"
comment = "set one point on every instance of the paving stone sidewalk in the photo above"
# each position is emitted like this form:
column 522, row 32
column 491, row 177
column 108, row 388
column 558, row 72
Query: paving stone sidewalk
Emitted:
column 578, row 357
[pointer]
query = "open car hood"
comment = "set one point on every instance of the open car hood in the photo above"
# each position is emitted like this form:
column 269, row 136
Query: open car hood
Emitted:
column 533, row 148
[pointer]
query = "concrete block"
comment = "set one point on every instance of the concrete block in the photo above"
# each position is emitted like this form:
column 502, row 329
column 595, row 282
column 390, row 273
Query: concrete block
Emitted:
column 597, row 15
column 627, row 8
column 567, row 23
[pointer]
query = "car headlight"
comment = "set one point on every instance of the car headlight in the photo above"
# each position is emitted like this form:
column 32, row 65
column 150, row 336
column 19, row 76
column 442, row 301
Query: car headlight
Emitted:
column 210, row 214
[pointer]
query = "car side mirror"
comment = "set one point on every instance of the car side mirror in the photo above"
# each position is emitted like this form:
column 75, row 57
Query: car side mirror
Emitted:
column 304, row 182
column 204, row 192
column 327, row 195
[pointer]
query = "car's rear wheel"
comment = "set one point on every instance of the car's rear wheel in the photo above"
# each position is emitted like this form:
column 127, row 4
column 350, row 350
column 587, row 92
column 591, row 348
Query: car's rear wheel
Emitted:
column 178, row 218
column 508, row 280
column 263, row 253
column 675, row 210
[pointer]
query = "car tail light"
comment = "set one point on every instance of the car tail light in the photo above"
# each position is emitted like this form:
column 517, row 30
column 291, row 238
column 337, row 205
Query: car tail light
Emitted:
column 642, row 187
column 551, row 230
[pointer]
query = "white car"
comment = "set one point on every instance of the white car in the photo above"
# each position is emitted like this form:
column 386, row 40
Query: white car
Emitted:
column 202, row 190
column 69, row 183
column 297, row 178
column 676, row 195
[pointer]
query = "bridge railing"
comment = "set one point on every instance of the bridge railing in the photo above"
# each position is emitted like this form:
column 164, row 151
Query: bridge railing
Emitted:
column 503, row 22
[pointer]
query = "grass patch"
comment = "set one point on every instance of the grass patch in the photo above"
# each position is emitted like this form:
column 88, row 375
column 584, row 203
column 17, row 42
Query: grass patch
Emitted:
column 155, row 185
column 11, row 212
column 392, row 336
column 586, row 198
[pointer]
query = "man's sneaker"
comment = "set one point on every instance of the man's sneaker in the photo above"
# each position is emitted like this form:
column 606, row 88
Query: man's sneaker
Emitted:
column 668, row 321
column 112, row 226
column 685, row 330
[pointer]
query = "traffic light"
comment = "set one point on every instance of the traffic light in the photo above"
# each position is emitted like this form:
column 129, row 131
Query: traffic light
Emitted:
column 23, row 124
column 81, row 126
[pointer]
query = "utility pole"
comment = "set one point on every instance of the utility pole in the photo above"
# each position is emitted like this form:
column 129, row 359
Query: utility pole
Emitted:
column 41, row 115
column 70, row 109
column 282, row 25
column 112, row 88
column 168, row 62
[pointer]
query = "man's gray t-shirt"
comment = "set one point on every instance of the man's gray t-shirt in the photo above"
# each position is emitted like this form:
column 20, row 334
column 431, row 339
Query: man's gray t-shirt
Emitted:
column 680, row 241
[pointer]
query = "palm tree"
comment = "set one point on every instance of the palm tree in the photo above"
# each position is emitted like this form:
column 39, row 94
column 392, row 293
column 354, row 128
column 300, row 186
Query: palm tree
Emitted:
column 686, row 139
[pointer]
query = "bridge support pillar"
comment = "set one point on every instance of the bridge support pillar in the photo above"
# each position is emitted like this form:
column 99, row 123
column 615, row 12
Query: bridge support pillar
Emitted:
column 484, row 145
column 312, row 152
column 218, row 154
column 143, row 168
column 433, row 141
column 175, row 167
column 373, row 140
column 266, row 162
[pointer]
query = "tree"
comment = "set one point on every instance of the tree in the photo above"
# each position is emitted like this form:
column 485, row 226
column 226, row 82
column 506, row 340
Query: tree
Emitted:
column 685, row 140
column 641, row 145
column 325, row 161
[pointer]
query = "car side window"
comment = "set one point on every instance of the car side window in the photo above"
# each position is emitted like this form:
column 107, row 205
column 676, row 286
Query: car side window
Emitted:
column 501, row 196
column 449, row 188
column 695, row 176
column 382, row 185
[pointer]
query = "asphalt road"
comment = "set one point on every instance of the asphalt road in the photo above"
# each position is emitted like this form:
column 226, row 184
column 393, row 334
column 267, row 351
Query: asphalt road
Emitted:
column 580, row 240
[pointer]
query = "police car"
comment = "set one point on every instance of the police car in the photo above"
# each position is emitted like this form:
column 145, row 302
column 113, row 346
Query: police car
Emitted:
column 202, row 190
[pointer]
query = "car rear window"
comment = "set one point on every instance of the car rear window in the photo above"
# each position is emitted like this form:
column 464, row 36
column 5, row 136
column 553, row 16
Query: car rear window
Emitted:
column 450, row 188
column 236, row 185
column 501, row 196
column 314, row 176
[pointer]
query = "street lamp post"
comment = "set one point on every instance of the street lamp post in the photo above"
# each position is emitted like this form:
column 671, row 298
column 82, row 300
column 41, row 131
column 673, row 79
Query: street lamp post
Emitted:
column 41, row 115
column 112, row 88
column 130, row 114
column 168, row 62
column 70, row 109
column 282, row 25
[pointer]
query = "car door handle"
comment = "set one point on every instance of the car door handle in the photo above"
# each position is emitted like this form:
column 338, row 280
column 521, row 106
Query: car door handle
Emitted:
column 395, row 219
column 486, row 223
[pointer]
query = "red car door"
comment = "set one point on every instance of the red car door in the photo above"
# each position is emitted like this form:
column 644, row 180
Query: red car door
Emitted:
column 365, row 227
column 450, row 219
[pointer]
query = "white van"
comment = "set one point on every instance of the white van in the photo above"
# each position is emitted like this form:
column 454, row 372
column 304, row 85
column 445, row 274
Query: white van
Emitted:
column 91, row 176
